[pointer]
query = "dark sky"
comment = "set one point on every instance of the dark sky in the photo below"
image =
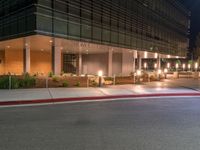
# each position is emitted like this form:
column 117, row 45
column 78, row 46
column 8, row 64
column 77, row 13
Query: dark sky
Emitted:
column 194, row 7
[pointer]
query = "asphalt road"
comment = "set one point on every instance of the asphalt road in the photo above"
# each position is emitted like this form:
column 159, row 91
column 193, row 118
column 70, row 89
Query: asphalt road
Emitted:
column 151, row 124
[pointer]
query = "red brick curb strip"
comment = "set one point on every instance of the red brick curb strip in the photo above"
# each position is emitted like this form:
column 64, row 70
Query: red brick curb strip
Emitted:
column 74, row 99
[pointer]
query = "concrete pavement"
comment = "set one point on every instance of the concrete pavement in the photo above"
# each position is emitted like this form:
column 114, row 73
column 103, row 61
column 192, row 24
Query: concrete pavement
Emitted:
column 165, row 87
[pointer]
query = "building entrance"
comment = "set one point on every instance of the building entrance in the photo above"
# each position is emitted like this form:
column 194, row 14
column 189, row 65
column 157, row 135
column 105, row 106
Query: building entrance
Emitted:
column 70, row 63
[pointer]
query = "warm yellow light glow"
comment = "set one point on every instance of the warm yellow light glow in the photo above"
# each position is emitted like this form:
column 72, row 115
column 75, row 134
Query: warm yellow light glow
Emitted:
column 155, row 65
column 183, row 66
column 156, row 55
column 168, row 65
column 177, row 66
column 145, row 54
column 145, row 65
column 189, row 66
column 177, row 57
column 168, row 56
column 196, row 65
column 100, row 73
column 139, row 72
column 165, row 70
column 159, row 71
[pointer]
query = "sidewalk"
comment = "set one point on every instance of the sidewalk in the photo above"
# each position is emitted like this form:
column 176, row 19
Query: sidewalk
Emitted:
column 170, row 87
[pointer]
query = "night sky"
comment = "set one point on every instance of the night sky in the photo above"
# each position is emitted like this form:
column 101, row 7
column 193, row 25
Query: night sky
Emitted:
column 194, row 7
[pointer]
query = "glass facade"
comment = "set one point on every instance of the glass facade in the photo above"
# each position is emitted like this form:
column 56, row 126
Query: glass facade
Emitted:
column 17, row 17
column 147, row 25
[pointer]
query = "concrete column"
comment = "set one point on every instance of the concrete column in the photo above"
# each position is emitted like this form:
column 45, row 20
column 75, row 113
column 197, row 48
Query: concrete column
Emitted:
column 79, row 64
column 127, row 62
column 56, row 58
column 139, row 58
column 26, row 58
column 159, row 62
column 110, row 62
column 134, row 62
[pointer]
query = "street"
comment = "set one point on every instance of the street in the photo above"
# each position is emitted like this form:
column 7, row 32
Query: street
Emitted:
column 143, row 124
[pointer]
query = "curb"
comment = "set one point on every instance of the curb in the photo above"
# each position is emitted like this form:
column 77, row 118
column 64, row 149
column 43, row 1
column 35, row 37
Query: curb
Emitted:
column 77, row 99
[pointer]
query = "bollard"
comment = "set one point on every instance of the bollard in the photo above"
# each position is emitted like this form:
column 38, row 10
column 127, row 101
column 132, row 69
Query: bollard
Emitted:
column 10, row 82
column 114, row 80
column 100, row 80
column 87, row 82
column 47, row 82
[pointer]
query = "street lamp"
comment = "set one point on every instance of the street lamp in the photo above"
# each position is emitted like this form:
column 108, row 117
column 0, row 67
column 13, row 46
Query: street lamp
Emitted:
column 159, row 73
column 145, row 65
column 177, row 66
column 168, row 65
column 138, row 73
column 165, row 72
column 183, row 67
column 189, row 66
column 100, row 74
column 196, row 66
column 155, row 66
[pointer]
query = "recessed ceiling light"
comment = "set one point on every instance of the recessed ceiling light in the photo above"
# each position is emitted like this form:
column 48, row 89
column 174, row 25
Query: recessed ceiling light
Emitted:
column 8, row 46
column 42, row 49
column 50, row 41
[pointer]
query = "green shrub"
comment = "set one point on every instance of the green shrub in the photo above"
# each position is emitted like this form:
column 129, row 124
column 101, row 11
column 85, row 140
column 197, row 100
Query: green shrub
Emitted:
column 78, row 84
column 50, row 74
column 65, row 84
column 27, row 81
column 16, row 83
column 4, row 82
column 55, row 78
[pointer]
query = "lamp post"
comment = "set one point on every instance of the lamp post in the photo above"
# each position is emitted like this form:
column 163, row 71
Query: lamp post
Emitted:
column 196, row 66
column 159, row 73
column 189, row 67
column 155, row 66
column 138, row 75
column 145, row 65
column 165, row 72
column 183, row 67
column 177, row 66
column 100, row 74
column 168, row 65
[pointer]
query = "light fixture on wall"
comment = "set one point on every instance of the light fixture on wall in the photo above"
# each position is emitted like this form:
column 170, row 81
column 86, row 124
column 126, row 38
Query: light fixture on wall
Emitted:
column 156, row 55
column 155, row 66
column 145, row 65
column 145, row 54
column 183, row 67
column 189, row 66
column 168, row 65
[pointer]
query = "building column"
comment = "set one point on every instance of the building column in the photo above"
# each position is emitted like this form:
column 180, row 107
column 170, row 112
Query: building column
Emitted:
column 26, row 58
column 159, row 62
column 139, row 61
column 110, row 62
column 56, row 59
column 79, row 64
column 134, row 62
